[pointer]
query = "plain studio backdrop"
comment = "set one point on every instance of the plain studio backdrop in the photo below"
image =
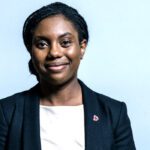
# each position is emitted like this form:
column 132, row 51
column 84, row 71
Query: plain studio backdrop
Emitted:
column 117, row 59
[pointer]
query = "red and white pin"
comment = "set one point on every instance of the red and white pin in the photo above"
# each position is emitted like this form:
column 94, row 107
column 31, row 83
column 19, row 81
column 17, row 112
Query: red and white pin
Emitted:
column 95, row 118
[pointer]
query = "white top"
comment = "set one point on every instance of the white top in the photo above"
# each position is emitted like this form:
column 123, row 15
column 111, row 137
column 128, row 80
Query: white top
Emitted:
column 62, row 127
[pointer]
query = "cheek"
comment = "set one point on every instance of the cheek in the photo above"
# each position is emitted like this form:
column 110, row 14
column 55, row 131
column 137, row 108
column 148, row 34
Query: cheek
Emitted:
column 37, row 59
column 37, row 56
column 74, row 53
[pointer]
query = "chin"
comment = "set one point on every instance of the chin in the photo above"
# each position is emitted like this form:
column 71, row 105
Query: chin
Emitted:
column 54, row 81
column 58, row 79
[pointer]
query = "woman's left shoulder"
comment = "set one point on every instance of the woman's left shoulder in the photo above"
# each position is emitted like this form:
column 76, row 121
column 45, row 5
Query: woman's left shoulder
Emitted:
column 109, row 102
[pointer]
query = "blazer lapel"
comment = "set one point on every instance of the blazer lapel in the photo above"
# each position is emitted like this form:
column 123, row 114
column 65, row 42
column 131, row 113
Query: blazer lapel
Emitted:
column 31, row 125
column 94, row 120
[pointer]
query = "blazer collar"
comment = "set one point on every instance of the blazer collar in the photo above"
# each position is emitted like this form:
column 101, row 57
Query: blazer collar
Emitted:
column 94, row 120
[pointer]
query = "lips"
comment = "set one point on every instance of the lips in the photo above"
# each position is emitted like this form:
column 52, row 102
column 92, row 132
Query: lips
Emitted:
column 56, row 67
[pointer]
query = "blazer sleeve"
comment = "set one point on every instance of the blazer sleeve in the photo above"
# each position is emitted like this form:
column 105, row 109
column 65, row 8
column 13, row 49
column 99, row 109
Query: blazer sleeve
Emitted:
column 123, row 132
column 3, row 129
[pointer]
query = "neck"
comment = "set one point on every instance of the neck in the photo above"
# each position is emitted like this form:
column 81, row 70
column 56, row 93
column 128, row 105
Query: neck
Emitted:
column 66, row 94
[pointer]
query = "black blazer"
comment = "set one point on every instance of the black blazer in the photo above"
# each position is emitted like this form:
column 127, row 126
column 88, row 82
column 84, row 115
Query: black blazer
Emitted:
column 107, row 126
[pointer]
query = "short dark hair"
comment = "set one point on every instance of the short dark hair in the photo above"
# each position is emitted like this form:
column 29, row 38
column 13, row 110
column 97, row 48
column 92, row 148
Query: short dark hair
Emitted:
column 53, row 9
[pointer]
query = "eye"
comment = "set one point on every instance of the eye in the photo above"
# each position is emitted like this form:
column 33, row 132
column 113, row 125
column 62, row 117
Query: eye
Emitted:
column 41, row 44
column 66, row 43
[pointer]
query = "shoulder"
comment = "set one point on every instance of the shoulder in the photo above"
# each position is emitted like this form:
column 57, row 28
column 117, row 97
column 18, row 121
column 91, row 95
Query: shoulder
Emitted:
column 116, row 113
column 13, row 103
column 17, row 97
column 13, row 99
column 105, row 101
column 9, row 104
column 109, row 103
column 112, row 109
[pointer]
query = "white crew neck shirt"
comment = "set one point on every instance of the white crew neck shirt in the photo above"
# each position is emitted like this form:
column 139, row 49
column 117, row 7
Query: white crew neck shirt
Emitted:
column 62, row 127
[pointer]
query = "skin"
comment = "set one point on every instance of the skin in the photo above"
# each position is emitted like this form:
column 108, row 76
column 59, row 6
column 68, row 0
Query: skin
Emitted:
column 56, row 54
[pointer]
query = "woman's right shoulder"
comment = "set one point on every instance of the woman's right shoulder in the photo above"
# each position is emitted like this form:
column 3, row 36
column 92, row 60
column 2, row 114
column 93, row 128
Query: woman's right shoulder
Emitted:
column 17, row 98
column 9, row 105
column 13, row 99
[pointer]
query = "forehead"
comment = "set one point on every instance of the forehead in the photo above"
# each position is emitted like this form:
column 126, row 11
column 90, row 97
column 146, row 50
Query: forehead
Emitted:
column 55, row 25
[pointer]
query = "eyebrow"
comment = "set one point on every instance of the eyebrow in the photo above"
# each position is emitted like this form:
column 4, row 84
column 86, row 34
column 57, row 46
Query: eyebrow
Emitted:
column 65, row 34
column 40, row 38
column 60, row 36
column 46, row 39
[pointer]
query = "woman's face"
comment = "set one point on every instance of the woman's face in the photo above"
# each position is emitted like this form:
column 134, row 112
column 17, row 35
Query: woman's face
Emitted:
column 56, row 51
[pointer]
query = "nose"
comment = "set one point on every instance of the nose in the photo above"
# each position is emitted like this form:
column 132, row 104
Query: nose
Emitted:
column 55, row 51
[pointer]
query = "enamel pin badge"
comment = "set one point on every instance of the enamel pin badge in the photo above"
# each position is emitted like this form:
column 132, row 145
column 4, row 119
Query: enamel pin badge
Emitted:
column 95, row 118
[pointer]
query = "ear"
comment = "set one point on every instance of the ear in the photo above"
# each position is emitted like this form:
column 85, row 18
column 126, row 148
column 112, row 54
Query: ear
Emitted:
column 83, row 45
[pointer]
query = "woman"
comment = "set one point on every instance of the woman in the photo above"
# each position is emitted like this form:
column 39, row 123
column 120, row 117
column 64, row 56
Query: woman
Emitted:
column 61, row 112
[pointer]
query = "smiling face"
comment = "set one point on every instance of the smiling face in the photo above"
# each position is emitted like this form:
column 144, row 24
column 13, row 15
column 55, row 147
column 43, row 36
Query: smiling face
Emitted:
column 56, row 51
